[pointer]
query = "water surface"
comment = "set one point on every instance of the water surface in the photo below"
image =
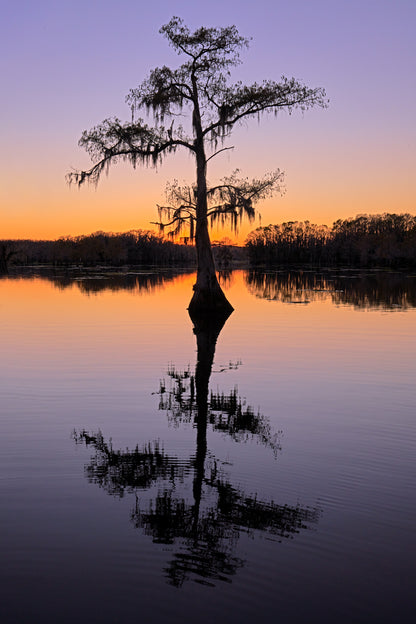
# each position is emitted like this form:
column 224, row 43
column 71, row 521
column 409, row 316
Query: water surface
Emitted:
column 263, row 470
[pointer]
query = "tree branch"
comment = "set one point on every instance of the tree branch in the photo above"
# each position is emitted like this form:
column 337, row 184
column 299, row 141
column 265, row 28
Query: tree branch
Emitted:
column 219, row 151
column 131, row 142
column 246, row 101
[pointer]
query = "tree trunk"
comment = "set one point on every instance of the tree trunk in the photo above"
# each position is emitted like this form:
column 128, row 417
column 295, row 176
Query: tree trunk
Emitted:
column 4, row 269
column 208, row 298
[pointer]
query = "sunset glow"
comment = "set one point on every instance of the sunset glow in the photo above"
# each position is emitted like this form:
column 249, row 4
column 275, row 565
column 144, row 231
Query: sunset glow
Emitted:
column 355, row 157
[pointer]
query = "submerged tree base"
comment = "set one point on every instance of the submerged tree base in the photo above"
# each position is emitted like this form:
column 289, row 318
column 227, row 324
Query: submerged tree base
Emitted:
column 209, row 303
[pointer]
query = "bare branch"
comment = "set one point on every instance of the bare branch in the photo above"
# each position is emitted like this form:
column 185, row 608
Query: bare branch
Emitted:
column 219, row 151
column 228, row 203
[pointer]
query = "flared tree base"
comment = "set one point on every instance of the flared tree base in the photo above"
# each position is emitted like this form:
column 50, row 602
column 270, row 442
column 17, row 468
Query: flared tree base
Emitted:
column 209, row 304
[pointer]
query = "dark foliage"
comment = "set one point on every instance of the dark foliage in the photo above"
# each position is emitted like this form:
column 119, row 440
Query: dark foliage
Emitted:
column 7, row 253
column 367, row 240
column 227, row 203
column 130, row 248
column 198, row 92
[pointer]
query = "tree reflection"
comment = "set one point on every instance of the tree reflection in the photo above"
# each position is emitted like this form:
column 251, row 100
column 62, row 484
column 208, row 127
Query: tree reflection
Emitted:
column 203, row 523
column 118, row 472
column 370, row 289
column 101, row 279
column 226, row 412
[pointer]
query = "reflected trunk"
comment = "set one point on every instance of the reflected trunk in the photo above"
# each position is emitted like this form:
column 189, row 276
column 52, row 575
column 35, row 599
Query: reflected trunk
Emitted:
column 210, row 521
column 207, row 331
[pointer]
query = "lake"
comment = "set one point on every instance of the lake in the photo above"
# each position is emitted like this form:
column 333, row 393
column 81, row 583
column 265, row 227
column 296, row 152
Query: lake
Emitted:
column 262, row 471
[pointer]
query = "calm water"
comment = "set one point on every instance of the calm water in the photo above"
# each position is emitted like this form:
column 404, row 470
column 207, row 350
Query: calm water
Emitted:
column 153, row 474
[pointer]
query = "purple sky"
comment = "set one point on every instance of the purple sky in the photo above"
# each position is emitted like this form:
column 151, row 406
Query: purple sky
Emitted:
column 66, row 66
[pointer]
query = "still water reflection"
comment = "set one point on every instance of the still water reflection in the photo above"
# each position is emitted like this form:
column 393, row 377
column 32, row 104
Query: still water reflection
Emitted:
column 374, row 288
column 371, row 289
column 273, row 478
column 207, row 525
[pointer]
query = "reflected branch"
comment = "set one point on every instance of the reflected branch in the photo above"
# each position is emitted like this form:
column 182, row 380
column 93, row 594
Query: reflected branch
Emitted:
column 117, row 472
column 206, row 517
column 187, row 398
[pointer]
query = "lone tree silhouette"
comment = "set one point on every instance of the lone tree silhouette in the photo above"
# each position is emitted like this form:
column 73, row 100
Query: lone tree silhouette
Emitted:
column 200, row 87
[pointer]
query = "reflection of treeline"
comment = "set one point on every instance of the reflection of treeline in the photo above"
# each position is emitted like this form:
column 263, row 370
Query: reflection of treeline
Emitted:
column 371, row 289
column 131, row 281
column 366, row 240
column 135, row 247
column 90, row 281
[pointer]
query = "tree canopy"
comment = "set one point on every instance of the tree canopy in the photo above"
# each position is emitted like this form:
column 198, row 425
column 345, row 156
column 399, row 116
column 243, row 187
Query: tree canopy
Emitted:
column 199, row 90
column 200, row 87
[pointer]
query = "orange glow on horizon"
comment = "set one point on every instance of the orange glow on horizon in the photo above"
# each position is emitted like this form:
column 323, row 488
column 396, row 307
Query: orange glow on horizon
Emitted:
column 53, row 226
column 125, row 202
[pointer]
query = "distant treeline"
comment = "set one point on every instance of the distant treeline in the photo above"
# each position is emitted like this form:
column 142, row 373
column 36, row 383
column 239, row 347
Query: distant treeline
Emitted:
column 131, row 248
column 366, row 240
column 137, row 247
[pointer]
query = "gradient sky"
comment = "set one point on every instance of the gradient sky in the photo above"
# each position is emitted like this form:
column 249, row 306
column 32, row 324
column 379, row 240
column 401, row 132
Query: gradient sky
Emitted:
column 67, row 65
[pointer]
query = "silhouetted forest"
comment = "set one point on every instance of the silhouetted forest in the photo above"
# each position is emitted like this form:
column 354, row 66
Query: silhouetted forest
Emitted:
column 366, row 240
column 387, row 240
column 135, row 247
